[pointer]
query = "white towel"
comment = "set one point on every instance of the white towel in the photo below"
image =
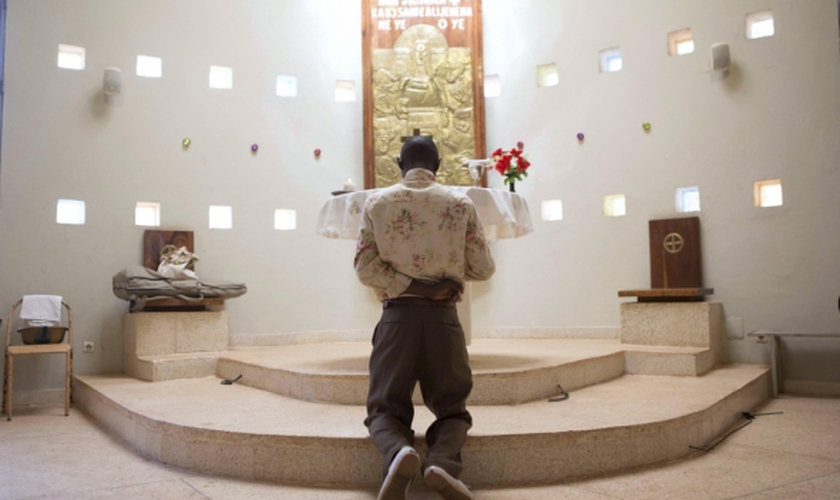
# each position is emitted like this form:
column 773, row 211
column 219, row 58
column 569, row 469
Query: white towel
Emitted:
column 41, row 310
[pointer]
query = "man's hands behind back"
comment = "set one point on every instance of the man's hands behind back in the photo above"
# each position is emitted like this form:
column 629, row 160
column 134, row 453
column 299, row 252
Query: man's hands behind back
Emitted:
column 444, row 290
column 447, row 290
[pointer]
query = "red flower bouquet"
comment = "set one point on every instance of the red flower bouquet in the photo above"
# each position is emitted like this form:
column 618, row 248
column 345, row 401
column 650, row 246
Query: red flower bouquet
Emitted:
column 511, row 164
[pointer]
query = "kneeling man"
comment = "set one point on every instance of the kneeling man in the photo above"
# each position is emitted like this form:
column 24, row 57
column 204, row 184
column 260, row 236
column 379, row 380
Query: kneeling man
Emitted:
column 418, row 243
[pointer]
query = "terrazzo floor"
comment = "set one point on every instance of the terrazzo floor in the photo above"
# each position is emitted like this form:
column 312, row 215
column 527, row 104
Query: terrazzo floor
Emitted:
column 793, row 455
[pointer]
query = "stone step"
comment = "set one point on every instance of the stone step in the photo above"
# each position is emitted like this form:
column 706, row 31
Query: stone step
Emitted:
column 504, row 371
column 172, row 366
column 671, row 361
column 240, row 431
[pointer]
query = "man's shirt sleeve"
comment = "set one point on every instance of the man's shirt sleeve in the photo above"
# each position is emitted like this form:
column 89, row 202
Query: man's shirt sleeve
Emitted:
column 371, row 270
column 479, row 263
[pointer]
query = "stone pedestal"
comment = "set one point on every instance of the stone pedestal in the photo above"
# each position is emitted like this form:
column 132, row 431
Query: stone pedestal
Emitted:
column 675, row 324
column 163, row 345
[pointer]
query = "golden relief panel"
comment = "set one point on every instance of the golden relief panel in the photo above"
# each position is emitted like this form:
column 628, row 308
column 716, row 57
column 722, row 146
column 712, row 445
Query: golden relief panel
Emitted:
column 423, row 86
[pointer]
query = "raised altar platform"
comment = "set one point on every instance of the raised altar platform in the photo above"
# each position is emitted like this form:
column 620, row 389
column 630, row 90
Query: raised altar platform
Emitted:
column 296, row 414
column 245, row 432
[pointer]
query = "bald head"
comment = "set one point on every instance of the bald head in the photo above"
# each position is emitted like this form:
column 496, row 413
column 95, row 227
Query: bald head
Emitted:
column 419, row 152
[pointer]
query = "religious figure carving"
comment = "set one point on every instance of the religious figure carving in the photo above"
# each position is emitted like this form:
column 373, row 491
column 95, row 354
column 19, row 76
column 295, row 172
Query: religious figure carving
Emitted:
column 423, row 84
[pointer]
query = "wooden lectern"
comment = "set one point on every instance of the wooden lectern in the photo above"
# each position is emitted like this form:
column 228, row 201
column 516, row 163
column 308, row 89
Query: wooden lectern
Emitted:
column 675, row 253
column 676, row 272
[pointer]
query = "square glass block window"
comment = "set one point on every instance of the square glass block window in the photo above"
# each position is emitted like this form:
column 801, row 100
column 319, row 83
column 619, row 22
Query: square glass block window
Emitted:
column 688, row 199
column 760, row 24
column 221, row 77
column 70, row 212
column 345, row 90
column 547, row 75
column 221, row 217
column 615, row 205
column 768, row 193
column 680, row 42
column 286, row 86
column 71, row 57
column 492, row 86
column 150, row 67
column 552, row 210
column 285, row 220
column 147, row 213
column 610, row 60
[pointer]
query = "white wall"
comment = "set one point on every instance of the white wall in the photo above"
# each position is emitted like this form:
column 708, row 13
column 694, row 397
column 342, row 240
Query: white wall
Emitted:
column 64, row 142
column 777, row 115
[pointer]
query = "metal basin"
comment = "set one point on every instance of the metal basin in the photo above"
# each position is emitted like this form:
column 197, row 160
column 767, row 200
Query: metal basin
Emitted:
column 42, row 334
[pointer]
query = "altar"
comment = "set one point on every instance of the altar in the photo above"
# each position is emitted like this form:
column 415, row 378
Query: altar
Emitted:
column 502, row 213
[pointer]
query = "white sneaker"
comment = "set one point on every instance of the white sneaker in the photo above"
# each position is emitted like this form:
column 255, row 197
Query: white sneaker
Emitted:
column 400, row 474
column 447, row 486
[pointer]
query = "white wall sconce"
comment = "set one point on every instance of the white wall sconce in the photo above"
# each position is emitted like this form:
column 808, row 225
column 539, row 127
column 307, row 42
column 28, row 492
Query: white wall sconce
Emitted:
column 720, row 60
column 112, row 86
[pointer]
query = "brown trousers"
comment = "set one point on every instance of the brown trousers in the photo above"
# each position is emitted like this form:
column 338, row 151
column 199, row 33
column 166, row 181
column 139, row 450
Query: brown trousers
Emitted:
column 425, row 344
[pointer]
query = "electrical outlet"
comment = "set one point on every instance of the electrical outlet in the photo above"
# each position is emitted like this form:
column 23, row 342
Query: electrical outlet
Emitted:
column 89, row 346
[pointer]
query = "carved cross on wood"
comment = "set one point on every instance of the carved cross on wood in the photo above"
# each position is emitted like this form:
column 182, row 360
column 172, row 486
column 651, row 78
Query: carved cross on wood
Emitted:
column 415, row 134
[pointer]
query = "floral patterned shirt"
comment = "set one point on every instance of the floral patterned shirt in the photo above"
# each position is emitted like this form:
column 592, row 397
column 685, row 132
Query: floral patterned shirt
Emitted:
column 420, row 230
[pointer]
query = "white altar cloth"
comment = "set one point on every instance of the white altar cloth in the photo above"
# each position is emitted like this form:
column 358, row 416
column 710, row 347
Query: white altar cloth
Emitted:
column 503, row 214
